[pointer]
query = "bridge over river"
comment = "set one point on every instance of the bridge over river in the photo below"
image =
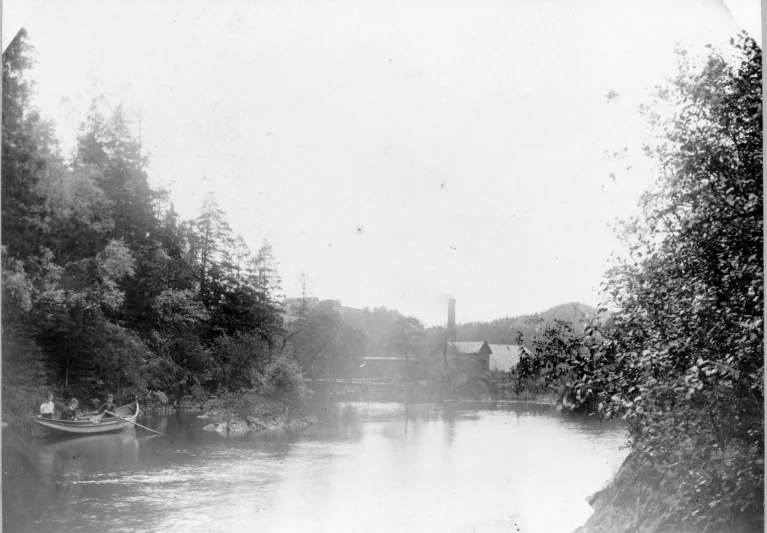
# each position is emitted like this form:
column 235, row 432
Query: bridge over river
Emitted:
column 364, row 389
column 354, row 389
column 372, row 382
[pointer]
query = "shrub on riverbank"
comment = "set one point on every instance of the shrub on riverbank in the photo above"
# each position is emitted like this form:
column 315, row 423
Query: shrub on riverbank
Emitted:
column 282, row 379
column 25, row 381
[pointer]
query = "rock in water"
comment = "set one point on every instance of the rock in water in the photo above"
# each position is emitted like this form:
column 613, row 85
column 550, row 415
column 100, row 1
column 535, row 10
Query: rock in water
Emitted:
column 234, row 426
column 255, row 423
column 238, row 426
column 302, row 422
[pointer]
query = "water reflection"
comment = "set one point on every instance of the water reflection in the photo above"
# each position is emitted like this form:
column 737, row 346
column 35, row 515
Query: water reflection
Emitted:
column 68, row 467
column 367, row 467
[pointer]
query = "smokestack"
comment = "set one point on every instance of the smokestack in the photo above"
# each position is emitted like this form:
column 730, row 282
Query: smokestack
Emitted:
column 451, row 319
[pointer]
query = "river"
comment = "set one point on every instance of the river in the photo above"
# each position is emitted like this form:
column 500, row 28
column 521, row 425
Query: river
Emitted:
column 367, row 467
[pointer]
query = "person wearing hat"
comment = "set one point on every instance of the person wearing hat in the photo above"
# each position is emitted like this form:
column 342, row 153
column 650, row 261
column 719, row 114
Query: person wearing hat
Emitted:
column 107, row 406
column 70, row 412
column 46, row 409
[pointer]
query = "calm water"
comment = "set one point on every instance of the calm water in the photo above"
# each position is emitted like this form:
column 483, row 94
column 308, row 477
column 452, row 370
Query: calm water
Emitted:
column 369, row 467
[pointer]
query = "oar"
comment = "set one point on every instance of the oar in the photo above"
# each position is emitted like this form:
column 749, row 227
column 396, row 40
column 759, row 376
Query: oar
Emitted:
column 132, row 422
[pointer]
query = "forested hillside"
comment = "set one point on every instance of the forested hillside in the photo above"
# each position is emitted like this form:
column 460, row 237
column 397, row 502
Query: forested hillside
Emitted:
column 507, row 330
column 105, row 288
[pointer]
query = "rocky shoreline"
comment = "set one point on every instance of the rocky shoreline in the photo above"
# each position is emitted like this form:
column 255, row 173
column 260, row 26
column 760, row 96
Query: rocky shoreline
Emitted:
column 636, row 500
column 264, row 416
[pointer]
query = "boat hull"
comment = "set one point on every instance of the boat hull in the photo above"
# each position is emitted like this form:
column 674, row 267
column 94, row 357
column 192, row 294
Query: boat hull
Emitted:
column 46, row 427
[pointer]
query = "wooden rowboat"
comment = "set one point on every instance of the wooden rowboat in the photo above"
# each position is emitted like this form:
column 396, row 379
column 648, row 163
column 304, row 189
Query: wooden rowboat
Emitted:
column 94, row 425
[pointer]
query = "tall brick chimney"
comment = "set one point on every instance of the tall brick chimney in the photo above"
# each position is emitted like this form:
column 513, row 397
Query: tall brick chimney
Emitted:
column 451, row 319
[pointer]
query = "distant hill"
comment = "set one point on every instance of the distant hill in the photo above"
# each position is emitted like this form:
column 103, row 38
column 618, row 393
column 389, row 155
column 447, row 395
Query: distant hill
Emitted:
column 576, row 313
column 506, row 330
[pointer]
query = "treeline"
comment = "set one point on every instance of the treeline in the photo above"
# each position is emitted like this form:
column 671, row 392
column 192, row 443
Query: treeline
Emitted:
column 334, row 344
column 105, row 288
column 683, row 360
column 382, row 333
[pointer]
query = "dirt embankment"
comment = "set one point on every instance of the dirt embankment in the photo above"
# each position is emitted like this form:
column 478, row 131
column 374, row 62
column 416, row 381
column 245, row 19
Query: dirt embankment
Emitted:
column 642, row 499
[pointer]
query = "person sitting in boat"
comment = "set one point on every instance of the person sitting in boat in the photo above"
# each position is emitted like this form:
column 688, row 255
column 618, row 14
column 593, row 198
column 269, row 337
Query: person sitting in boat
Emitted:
column 70, row 412
column 46, row 409
column 107, row 407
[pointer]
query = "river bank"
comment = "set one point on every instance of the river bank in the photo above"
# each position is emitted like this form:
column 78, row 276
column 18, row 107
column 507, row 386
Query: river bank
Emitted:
column 640, row 498
column 233, row 413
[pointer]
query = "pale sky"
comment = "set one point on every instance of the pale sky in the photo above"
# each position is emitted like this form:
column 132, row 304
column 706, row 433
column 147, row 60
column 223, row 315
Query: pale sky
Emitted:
column 397, row 151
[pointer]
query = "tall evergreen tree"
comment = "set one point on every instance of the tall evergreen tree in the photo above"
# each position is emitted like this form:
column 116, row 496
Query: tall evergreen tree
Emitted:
column 108, row 145
column 26, row 143
column 212, row 235
column 266, row 282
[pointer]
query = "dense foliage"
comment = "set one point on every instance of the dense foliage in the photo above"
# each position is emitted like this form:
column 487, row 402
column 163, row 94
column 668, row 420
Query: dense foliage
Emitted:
column 683, row 362
column 105, row 289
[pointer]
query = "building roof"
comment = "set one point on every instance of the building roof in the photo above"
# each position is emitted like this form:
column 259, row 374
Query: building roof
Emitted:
column 504, row 357
column 467, row 347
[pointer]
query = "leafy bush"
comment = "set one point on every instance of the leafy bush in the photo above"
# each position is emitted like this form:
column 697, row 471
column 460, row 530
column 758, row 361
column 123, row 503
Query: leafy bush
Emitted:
column 283, row 379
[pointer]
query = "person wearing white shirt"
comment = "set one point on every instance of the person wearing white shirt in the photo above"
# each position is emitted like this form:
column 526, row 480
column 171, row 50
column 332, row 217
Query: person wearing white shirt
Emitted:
column 46, row 409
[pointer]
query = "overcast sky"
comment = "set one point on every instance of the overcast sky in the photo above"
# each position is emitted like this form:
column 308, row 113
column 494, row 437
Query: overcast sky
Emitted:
column 397, row 151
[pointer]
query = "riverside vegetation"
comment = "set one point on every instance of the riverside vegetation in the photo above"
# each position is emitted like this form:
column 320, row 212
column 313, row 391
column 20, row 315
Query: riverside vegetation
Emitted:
column 105, row 289
column 682, row 358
